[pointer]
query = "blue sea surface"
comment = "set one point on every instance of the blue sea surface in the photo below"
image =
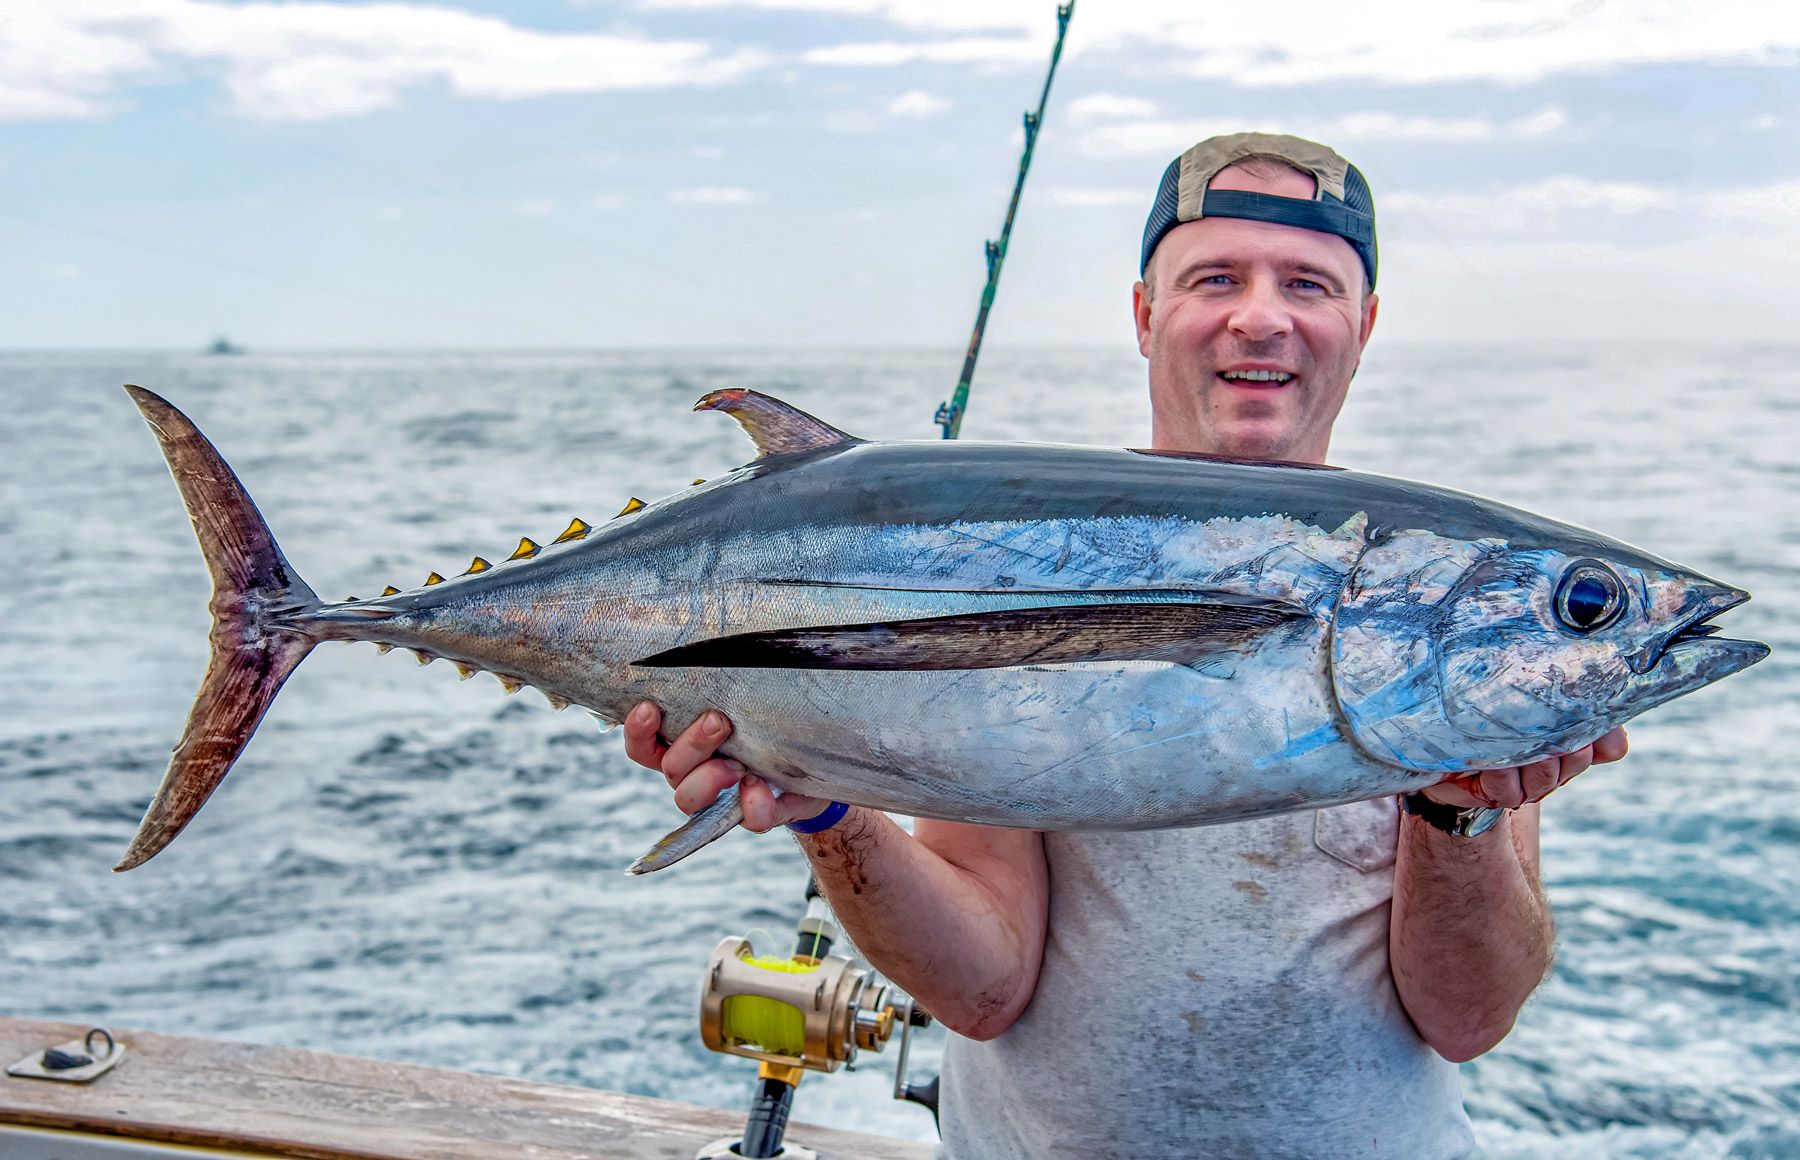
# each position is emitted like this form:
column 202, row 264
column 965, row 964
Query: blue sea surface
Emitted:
column 412, row 867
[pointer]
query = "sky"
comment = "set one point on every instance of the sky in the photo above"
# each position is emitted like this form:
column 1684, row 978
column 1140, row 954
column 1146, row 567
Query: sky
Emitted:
column 577, row 173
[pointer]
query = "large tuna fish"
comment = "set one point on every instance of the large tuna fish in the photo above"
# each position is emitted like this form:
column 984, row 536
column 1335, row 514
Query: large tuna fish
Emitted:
column 1048, row 637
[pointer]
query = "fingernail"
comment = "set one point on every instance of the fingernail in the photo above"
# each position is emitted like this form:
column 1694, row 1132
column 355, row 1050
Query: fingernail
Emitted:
column 734, row 766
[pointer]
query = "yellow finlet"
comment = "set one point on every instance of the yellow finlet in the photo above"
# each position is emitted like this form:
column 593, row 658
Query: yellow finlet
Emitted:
column 577, row 529
column 697, row 483
column 425, row 658
column 382, row 646
column 477, row 565
column 465, row 669
column 351, row 600
column 556, row 702
column 526, row 550
column 634, row 504
column 390, row 590
column 510, row 684
column 434, row 578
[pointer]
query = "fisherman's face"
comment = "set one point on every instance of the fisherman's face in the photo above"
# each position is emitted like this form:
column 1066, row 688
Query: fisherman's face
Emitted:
column 1231, row 297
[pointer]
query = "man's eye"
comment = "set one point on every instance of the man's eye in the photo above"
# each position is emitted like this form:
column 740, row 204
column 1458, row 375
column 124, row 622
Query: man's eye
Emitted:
column 1306, row 284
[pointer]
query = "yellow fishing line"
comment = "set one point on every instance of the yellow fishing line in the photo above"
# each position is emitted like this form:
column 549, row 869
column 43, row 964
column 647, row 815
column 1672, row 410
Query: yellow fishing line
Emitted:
column 763, row 1023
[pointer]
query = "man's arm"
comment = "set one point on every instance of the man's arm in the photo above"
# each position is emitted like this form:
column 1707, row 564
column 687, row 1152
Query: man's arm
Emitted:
column 954, row 914
column 1471, row 935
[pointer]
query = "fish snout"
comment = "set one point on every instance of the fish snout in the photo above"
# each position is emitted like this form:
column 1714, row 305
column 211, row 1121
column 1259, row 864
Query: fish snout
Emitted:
column 1687, row 641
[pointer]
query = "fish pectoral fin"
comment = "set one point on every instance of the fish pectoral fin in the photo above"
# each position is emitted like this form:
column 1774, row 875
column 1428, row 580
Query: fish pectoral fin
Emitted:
column 1181, row 633
column 775, row 427
column 707, row 826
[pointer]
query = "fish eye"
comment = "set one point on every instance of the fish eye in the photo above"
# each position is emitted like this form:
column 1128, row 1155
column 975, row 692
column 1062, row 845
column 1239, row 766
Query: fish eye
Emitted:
column 1590, row 596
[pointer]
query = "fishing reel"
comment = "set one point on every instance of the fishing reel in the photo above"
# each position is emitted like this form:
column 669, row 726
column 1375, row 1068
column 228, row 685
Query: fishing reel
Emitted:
column 812, row 1011
column 797, row 1012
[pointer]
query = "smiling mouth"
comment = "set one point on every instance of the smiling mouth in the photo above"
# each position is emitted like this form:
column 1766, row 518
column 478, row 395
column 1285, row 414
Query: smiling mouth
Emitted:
column 1257, row 378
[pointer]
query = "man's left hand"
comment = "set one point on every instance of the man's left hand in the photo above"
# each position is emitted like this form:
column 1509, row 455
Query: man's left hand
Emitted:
column 1523, row 784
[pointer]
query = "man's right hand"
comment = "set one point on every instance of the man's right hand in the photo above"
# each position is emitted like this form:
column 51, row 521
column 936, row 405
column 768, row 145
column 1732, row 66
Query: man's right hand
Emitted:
column 954, row 914
column 697, row 772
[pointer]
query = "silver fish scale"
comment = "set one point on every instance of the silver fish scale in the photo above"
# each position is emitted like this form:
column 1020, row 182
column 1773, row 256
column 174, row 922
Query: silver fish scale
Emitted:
column 1053, row 637
column 1118, row 744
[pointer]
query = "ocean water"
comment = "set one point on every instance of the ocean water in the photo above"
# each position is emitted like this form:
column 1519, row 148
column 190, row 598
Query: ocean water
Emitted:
column 407, row 866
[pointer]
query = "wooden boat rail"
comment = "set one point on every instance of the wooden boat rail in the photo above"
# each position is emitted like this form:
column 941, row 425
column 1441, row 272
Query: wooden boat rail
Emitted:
column 277, row 1101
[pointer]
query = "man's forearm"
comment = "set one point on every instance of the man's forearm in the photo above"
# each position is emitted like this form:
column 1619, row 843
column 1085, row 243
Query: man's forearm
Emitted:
column 1471, row 935
column 962, row 934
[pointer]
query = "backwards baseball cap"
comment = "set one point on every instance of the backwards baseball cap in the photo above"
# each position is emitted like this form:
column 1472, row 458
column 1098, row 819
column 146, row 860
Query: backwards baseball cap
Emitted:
column 1341, row 203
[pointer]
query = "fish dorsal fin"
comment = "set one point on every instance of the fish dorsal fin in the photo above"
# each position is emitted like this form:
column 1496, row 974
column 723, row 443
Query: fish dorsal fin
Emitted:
column 774, row 426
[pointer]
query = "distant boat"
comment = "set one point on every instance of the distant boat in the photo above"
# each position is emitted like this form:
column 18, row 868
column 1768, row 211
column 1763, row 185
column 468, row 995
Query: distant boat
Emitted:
column 223, row 345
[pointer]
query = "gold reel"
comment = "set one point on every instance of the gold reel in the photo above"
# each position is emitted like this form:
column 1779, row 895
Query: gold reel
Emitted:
column 813, row 1013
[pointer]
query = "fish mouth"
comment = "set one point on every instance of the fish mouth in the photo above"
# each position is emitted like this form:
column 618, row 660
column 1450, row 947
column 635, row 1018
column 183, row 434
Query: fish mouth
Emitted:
column 1695, row 645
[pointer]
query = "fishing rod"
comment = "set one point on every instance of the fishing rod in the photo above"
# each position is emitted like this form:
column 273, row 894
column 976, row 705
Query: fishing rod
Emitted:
column 950, row 414
column 814, row 1010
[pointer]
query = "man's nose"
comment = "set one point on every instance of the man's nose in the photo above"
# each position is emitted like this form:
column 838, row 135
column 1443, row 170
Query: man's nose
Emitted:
column 1260, row 311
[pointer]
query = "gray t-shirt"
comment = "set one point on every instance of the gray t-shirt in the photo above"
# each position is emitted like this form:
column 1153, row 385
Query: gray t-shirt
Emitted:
column 1220, row 991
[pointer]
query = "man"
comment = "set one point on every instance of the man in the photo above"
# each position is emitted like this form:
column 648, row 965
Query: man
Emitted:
column 1292, row 986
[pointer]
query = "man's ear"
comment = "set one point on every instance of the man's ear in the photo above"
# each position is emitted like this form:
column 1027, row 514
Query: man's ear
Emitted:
column 1140, row 309
column 1371, row 305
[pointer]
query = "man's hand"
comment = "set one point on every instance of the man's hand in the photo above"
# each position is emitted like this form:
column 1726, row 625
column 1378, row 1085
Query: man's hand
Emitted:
column 954, row 916
column 1523, row 784
column 697, row 773
column 1470, row 934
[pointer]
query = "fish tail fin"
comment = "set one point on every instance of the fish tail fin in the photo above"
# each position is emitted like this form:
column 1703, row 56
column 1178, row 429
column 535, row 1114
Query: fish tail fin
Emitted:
column 256, row 639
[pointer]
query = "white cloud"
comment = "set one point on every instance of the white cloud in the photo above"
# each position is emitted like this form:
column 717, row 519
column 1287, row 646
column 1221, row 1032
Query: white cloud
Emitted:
column 53, row 67
column 917, row 104
column 1772, row 206
column 610, row 201
column 713, row 195
column 1548, row 207
column 1109, row 107
column 964, row 50
column 1527, row 208
column 912, row 105
column 315, row 61
column 1098, row 197
column 852, row 121
column 535, row 206
column 706, row 153
column 1389, row 127
column 1317, row 40
column 1171, row 136
column 1709, row 288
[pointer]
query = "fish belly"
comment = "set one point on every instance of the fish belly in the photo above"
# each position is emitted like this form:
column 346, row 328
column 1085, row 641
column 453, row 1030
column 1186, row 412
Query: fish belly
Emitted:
column 1092, row 745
